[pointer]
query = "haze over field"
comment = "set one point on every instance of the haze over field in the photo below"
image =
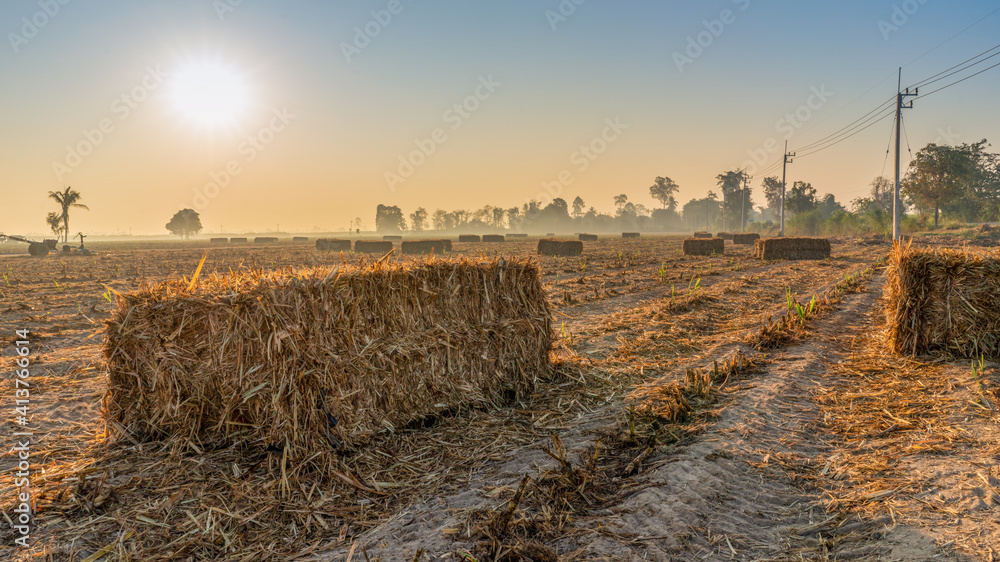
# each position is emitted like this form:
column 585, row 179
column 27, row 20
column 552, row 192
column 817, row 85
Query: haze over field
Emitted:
column 309, row 114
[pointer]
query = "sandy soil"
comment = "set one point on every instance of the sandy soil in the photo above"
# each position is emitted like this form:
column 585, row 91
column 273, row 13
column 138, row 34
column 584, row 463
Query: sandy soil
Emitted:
column 826, row 449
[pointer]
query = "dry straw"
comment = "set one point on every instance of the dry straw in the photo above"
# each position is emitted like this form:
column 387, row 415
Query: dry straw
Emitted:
column 630, row 235
column 745, row 239
column 237, row 240
column 265, row 240
column 588, row 238
column 792, row 248
column 469, row 238
column 373, row 246
column 943, row 301
column 702, row 234
column 493, row 238
column 560, row 247
column 219, row 241
column 704, row 246
column 425, row 247
column 725, row 235
column 314, row 360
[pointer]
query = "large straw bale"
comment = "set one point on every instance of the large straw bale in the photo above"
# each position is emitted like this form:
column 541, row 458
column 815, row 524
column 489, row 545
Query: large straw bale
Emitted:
column 373, row 246
column 300, row 238
column 312, row 360
column 746, row 239
column 792, row 248
column 493, row 238
column 469, row 238
column 547, row 247
column 630, row 234
column 329, row 245
column 218, row 241
column 725, row 235
column 943, row 301
column 588, row 237
column 265, row 240
column 425, row 247
column 238, row 240
column 702, row 234
column 704, row 246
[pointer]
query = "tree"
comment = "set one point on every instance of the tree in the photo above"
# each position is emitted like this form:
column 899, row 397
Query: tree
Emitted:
column 578, row 207
column 772, row 192
column 498, row 214
column 829, row 205
column 68, row 198
column 801, row 198
column 880, row 197
column 389, row 219
column 185, row 223
column 663, row 190
column 701, row 213
column 937, row 175
column 55, row 223
column 513, row 217
column 620, row 201
column 418, row 219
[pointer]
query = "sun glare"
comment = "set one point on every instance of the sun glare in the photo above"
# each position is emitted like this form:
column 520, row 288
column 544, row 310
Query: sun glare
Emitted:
column 210, row 94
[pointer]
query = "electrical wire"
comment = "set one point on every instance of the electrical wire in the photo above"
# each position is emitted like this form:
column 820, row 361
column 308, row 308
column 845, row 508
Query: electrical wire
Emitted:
column 929, row 78
column 820, row 149
column 888, row 147
column 945, row 87
column 881, row 107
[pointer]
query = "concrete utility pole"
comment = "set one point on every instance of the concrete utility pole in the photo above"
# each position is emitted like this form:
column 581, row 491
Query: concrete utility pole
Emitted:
column 743, row 208
column 784, row 165
column 896, row 207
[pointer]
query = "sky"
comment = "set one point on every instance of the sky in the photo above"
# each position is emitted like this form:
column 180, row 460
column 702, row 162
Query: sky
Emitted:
column 301, row 115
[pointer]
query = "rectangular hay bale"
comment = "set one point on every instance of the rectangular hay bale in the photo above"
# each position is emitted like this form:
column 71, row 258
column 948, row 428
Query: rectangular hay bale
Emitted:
column 265, row 240
column 943, row 301
column 218, row 241
column 704, row 246
column 630, row 234
column 313, row 359
column 548, row 247
column 702, row 234
column 493, row 238
column 588, row 238
column 300, row 238
column 425, row 247
column 328, row 245
column 373, row 246
column 238, row 240
column 469, row 238
column 746, row 239
column 725, row 235
column 792, row 248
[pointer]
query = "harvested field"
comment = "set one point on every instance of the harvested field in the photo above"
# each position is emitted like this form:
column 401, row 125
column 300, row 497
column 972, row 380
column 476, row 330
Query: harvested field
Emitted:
column 630, row 235
column 944, row 301
column 826, row 447
column 425, row 247
column 469, row 238
column 560, row 247
column 328, row 245
column 746, row 239
column 704, row 246
column 792, row 248
column 588, row 237
column 373, row 246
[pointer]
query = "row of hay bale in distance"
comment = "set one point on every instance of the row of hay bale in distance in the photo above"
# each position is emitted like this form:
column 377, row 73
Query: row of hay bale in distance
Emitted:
column 764, row 248
column 257, row 240
column 314, row 359
column 384, row 246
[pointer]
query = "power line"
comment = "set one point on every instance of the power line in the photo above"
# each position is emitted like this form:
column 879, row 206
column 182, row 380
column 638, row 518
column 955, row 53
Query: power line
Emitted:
column 832, row 144
column 945, row 87
column 929, row 79
column 888, row 146
column 884, row 105
column 936, row 47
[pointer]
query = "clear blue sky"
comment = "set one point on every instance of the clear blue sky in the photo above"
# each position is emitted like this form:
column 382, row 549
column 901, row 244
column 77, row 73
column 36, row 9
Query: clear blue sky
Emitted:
column 556, row 84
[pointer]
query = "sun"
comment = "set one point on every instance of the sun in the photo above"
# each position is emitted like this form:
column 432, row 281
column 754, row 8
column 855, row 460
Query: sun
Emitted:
column 211, row 94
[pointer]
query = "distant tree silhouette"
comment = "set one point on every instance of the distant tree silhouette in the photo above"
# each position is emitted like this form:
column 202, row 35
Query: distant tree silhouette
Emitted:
column 578, row 207
column 55, row 223
column 663, row 190
column 418, row 219
column 389, row 219
column 185, row 223
column 801, row 198
column 68, row 198
column 772, row 192
column 620, row 201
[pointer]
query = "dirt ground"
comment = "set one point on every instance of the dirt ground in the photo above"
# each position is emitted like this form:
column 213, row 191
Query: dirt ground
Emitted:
column 821, row 446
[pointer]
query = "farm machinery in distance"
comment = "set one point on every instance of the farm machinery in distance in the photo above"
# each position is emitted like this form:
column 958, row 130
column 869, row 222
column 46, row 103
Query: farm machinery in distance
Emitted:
column 48, row 246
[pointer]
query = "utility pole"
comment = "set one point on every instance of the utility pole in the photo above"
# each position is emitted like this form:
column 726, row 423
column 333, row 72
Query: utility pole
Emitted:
column 784, row 165
column 900, row 96
column 743, row 208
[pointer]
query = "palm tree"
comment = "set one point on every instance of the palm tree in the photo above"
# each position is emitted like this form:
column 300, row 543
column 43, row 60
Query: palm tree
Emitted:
column 66, row 199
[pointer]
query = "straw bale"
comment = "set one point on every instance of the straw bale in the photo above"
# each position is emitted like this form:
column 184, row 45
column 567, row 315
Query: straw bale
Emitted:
column 265, row 240
column 515, row 235
column 725, row 235
column 218, row 241
column 792, row 248
column 630, row 234
column 328, row 245
column 550, row 234
column 373, row 246
column 548, row 247
column 425, row 247
column 300, row 238
column 392, row 237
column 746, row 239
column 493, row 238
column 237, row 240
column 588, row 238
column 943, row 301
column 469, row 238
column 702, row 234
column 704, row 246
column 313, row 360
